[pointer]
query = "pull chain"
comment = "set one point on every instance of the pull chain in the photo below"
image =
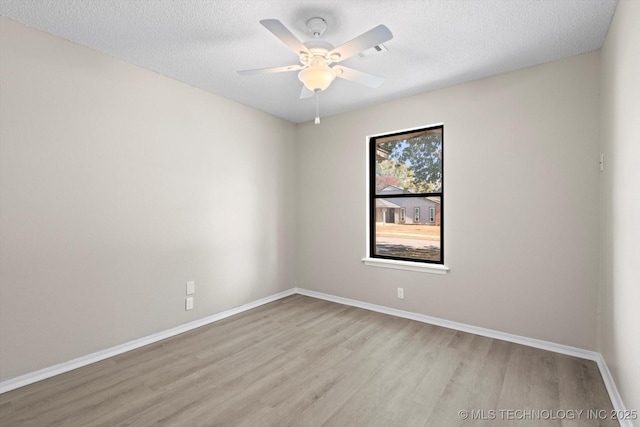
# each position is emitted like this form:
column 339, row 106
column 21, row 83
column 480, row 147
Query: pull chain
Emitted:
column 317, row 107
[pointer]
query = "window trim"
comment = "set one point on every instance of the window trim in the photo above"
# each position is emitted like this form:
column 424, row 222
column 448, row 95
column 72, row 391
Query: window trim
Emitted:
column 371, row 259
column 406, row 265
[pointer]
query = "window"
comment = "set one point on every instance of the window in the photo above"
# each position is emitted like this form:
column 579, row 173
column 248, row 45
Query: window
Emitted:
column 406, row 172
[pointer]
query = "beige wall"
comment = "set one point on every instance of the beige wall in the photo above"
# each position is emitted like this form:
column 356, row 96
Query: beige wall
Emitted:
column 619, row 333
column 521, row 203
column 117, row 186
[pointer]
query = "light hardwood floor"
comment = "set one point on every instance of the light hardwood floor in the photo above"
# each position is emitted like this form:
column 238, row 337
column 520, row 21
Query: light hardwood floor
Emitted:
column 302, row 361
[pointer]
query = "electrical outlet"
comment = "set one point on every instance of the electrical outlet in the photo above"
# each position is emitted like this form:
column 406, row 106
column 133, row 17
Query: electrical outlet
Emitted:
column 400, row 293
column 191, row 288
column 188, row 303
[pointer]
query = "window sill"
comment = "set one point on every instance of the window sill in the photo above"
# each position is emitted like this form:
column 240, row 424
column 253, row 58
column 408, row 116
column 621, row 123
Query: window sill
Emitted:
column 406, row 265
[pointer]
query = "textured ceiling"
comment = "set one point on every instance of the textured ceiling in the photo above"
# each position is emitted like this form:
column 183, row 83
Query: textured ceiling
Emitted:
column 436, row 43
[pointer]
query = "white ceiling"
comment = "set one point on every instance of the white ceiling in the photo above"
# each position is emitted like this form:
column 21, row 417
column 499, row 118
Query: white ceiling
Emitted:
column 436, row 43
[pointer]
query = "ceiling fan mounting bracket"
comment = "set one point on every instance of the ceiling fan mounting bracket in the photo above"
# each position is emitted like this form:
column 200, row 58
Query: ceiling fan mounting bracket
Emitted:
column 317, row 26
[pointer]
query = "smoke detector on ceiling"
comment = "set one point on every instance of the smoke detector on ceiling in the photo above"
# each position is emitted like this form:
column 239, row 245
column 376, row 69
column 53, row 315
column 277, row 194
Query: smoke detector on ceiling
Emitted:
column 373, row 51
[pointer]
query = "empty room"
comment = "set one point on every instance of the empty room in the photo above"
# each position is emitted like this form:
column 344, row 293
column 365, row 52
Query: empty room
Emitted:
column 320, row 213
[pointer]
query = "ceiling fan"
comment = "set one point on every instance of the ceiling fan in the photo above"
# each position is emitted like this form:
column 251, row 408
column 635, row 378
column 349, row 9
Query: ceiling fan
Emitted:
column 316, row 57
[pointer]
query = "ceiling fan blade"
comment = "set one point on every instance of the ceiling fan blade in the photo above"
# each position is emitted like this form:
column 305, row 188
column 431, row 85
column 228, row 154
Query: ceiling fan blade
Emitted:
column 367, row 40
column 305, row 93
column 270, row 70
column 358, row 76
column 278, row 29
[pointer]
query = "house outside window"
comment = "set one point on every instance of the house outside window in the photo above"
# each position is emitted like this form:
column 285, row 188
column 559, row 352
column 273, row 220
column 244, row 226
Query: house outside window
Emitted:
column 406, row 172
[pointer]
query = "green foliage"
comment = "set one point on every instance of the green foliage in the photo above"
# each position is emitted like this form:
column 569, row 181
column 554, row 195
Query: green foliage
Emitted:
column 415, row 162
column 389, row 172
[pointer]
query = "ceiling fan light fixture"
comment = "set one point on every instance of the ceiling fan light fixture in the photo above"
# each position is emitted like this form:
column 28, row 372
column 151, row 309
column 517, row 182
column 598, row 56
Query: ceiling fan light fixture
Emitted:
column 317, row 77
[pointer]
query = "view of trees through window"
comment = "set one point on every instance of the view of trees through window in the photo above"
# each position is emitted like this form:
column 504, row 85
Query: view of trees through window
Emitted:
column 406, row 176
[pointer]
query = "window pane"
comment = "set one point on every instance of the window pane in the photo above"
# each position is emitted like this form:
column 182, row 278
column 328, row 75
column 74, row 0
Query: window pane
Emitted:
column 400, row 237
column 409, row 163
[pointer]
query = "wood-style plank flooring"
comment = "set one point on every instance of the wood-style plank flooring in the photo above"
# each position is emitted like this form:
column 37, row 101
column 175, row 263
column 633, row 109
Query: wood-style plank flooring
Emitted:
column 302, row 361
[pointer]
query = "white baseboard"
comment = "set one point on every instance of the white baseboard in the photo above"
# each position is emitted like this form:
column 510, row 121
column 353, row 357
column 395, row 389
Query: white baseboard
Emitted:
column 51, row 371
column 614, row 395
column 491, row 333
